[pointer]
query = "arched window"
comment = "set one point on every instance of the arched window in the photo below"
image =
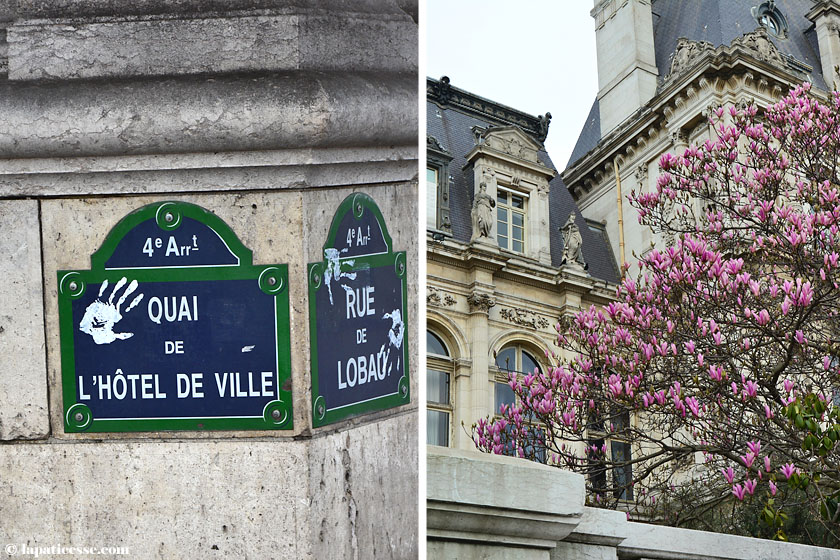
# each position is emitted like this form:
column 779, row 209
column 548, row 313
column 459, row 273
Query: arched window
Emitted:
column 514, row 358
column 438, row 375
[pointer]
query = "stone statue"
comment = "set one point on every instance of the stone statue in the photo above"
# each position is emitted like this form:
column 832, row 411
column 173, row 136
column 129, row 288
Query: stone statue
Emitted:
column 544, row 122
column 572, row 244
column 482, row 211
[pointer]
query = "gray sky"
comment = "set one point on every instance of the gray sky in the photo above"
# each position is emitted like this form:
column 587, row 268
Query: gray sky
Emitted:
column 537, row 56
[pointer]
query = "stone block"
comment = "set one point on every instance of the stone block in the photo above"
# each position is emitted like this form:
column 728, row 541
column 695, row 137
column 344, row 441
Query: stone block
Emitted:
column 161, row 499
column 364, row 490
column 23, row 383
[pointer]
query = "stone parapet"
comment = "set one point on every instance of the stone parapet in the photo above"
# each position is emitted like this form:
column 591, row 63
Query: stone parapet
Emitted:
column 482, row 506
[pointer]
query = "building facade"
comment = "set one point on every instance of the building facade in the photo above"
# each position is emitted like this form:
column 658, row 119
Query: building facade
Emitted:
column 663, row 66
column 502, row 266
column 499, row 271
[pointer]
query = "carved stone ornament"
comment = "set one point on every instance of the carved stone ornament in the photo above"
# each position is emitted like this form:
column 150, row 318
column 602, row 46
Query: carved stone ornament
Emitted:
column 641, row 177
column 439, row 298
column 686, row 54
column 544, row 122
column 443, row 90
column 572, row 244
column 759, row 44
column 481, row 302
column 433, row 144
column 524, row 318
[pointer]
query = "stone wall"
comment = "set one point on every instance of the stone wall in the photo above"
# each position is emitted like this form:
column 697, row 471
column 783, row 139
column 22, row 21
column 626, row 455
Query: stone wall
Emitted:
column 268, row 114
column 494, row 507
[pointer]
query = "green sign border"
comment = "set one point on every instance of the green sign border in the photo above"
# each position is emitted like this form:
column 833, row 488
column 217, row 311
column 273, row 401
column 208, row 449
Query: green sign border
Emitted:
column 72, row 283
column 357, row 203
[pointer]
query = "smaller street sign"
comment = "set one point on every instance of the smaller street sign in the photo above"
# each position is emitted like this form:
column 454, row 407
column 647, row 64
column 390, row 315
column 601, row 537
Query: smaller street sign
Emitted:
column 357, row 317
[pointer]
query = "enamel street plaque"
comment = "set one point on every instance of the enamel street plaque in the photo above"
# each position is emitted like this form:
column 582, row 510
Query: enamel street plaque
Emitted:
column 174, row 328
column 357, row 317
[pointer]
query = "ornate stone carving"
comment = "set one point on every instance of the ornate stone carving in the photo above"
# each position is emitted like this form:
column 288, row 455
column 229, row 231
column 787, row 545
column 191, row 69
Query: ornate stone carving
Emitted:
column 482, row 209
column 679, row 138
column 544, row 120
column 524, row 318
column 641, row 177
column 759, row 44
column 572, row 244
column 433, row 144
column 439, row 298
column 481, row 302
column 443, row 90
column 686, row 54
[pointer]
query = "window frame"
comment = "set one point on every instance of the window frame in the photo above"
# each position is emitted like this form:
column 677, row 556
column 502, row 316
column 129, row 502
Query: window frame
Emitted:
column 438, row 160
column 595, row 434
column 511, row 210
column 445, row 364
column 500, row 377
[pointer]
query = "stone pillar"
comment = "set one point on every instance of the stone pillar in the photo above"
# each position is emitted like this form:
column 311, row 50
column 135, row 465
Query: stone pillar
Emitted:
column 478, row 395
column 627, row 70
column 826, row 18
column 268, row 114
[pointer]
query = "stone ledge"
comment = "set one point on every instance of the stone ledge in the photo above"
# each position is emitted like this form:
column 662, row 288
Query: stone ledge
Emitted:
column 470, row 497
column 177, row 115
column 300, row 40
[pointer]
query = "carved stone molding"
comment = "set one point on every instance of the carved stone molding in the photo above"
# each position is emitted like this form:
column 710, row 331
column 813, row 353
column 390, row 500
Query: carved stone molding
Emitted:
column 524, row 318
column 757, row 43
column 686, row 54
column 641, row 177
column 481, row 302
column 439, row 298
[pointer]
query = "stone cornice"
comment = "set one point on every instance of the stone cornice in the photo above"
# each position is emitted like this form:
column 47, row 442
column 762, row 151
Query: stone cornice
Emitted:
column 443, row 93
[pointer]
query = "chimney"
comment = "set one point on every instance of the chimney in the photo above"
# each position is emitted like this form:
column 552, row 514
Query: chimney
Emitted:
column 626, row 60
column 826, row 17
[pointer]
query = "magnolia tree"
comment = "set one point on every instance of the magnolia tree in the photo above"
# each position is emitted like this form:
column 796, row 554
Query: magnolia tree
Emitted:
column 712, row 378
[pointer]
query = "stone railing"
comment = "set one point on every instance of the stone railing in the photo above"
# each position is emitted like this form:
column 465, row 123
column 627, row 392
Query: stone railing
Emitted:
column 493, row 507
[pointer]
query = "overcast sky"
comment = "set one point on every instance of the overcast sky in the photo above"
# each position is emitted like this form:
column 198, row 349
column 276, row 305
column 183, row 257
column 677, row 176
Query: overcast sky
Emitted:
column 537, row 56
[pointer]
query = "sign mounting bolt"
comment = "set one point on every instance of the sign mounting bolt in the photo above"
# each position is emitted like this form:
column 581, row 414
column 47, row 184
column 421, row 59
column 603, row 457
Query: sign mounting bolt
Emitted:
column 169, row 217
column 276, row 414
column 320, row 410
column 404, row 390
column 271, row 282
column 73, row 286
column 79, row 417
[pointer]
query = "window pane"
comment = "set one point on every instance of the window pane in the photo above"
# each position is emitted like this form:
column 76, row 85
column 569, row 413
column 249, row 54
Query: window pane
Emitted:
column 437, row 386
column 431, row 198
column 597, row 470
column 503, row 229
column 503, row 217
column 506, row 359
column 518, row 233
column 503, row 243
column 437, row 428
column 504, row 395
column 622, row 474
column 518, row 219
column 434, row 345
column 517, row 201
column 529, row 364
column 518, row 246
column 501, row 196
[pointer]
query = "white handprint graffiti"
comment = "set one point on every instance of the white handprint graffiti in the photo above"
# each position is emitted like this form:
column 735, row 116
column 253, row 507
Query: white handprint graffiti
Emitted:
column 100, row 317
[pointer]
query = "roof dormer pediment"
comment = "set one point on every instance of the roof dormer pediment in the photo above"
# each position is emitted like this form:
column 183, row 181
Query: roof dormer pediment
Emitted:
column 509, row 144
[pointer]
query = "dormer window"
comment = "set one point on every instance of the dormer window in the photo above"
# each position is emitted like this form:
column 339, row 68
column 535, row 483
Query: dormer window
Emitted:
column 769, row 17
